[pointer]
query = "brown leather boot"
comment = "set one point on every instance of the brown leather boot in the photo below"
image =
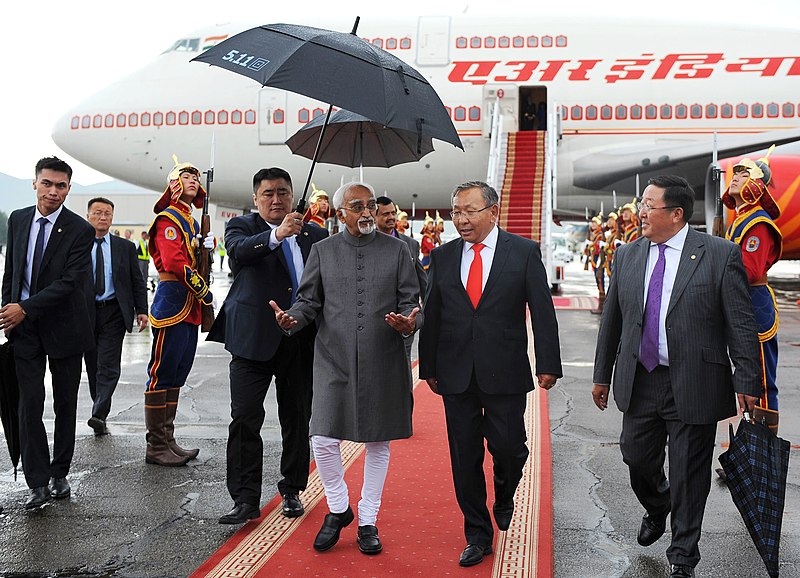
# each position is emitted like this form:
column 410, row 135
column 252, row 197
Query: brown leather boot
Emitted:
column 768, row 417
column 158, row 452
column 169, row 425
column 600, row 302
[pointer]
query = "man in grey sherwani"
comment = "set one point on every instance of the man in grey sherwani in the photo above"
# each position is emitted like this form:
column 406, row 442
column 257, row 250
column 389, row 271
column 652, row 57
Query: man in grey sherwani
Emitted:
column 361, row 288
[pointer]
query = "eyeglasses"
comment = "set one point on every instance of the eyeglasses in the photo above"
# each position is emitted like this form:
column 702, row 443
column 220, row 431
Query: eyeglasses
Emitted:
column 647, row 207
column 371, row 206
column 99, row 214
column 467, row 214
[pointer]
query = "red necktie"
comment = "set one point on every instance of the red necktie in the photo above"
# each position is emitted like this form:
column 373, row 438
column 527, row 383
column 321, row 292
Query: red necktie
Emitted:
column 475, row 277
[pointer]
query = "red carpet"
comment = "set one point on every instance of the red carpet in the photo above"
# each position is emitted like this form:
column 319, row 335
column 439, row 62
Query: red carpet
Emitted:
column 521, row 206
column 420, row 524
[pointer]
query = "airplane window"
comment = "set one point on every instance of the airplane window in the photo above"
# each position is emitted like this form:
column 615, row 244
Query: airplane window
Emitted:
column 561, row 41
column 605, row 112
column 475, row 42
column 533, row 41
column 576, row 112
column 563, row 112
column 75, row 123
column 171, row 118
column 318, row 112
column 158, row 118
column 209, row 117
column 711, row 111
column 197, row 117
column 145, row 119
column 621, row 112
column 681, row 111
column 696, row 111
column 97, row 121
column 109, row 121
column 741, row 110
column 405, row 43
column 133, row 119
column 666, row 111
column 236, row 117
column 547, row 41
column 185, row 45
column 278, row 116
column 489, row 42
column 726, row 111
column 504, row 42
column 772, row 110
column 121, row 120
column 461, row 42
column 788, row 109
column 474, row 113
column 222, row 117
column 591, row 112
column 650, row 111
column 519, row 42
column 757, row 110
column 378, row 42
column 460, row 113
column 449, row 111
column 391, row 44
column 636, row 112
column 303, row 115
column 86, row 122
column 250, row 116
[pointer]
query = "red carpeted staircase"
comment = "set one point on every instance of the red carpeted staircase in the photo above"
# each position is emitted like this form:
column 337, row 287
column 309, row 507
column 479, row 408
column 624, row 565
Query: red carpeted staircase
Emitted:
column 521, row 196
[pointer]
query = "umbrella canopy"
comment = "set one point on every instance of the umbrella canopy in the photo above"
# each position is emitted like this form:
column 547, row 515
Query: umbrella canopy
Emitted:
column 340, row 69
column 756, row 466
column 352, row 140
column 9, row 402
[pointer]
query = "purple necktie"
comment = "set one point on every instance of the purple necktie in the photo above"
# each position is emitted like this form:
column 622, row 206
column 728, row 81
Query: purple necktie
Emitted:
column 652, row 310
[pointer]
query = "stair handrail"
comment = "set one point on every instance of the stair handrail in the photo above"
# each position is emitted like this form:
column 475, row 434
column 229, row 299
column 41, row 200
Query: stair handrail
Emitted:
column 495, row 143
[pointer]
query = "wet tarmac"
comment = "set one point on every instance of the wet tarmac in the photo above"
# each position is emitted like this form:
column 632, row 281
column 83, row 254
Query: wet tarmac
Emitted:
column 129, row 519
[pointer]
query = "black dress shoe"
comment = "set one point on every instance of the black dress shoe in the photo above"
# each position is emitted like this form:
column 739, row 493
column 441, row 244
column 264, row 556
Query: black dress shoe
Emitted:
column 503, row 511
column 368, row 541
column 292, row 506
column 39, row 497
column 98, row 425
column 240, row 513
column 332, row 526
column 652, row 528
column 682, row 571
column 59, row 488
column 473, row 554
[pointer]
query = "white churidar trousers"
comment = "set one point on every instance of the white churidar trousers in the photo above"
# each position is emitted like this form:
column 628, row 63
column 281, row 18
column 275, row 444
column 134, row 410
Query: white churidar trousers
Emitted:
column 328, row 455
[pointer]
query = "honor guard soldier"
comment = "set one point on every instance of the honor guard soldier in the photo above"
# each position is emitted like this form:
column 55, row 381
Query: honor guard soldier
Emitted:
column 176, row 310
column 428, row 242
column 438, row 230
column 630, row 223
column 596, row 256
column 402, row 223
column 613, row 240
column 319, row 208
column 755, row 231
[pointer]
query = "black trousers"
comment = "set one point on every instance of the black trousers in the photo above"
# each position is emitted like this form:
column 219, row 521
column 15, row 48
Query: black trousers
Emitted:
column 651, row 419
column 31, row 362
column 471, row 417
column 103, row 362
column 292, row 368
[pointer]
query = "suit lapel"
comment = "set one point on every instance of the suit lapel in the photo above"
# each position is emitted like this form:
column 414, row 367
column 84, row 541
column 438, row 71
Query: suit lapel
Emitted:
column 691, row 256
column 304, row 242
column 501, row 252
column 640, row 267
column 453, row 263
column 57, row 236
column 23, row 237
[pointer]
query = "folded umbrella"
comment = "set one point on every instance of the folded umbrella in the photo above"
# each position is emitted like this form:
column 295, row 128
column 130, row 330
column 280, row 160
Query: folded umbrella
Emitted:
column 9, row 402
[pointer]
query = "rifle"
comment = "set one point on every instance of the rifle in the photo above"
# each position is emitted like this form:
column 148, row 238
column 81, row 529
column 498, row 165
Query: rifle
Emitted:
column 204, row 255
column 718, row 227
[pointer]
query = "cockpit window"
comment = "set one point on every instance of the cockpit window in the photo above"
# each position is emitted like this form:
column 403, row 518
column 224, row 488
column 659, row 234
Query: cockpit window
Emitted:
column 186, row 45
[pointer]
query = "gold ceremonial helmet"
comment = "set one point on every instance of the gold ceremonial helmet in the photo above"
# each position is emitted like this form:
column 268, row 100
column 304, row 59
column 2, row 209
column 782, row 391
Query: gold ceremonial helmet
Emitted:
column 317, row 194
column 755, row 192
column 439, row 218
column 401, row 215
column 174, row 188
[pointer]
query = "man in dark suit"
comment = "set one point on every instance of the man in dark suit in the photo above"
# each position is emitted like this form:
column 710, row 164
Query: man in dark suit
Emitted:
column 116, row 292
column 474, row 352
column 45, row 317
column 676, row 314
column 267, row 251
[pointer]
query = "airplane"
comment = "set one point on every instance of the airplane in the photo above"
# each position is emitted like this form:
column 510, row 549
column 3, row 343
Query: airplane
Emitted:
column 627, row 100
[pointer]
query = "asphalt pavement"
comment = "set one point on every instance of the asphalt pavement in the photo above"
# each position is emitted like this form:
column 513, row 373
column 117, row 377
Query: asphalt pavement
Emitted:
column 129, row 519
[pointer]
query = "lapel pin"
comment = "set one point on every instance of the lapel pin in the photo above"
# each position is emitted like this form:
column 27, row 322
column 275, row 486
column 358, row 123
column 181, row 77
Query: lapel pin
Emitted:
column 693, row 257
column 59, row 229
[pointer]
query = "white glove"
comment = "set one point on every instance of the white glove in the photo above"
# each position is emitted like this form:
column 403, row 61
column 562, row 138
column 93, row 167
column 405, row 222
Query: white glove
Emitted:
column 210, row 242
column 602, row 244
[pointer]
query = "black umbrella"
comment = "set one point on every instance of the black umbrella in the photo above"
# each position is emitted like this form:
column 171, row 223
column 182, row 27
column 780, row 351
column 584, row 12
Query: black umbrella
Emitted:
column 352, row 140
column 756, row 466
column 9, row 402
column 340, row 69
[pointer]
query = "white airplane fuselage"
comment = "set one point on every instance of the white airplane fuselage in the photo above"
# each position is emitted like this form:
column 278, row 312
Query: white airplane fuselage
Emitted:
column 627, row 93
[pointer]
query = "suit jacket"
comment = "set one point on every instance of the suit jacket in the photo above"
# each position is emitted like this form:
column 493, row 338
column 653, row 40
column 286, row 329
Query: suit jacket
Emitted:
column 493, row 337
column 246, row 323
column 422, row 275
column 129, row 286
column 58, row 310
column 709, row 324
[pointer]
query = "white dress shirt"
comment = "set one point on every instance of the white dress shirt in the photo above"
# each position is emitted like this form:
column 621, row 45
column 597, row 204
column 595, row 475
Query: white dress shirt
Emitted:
column 672, row 254
column 297, row 254
column 487, row 256
column 52, row 217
